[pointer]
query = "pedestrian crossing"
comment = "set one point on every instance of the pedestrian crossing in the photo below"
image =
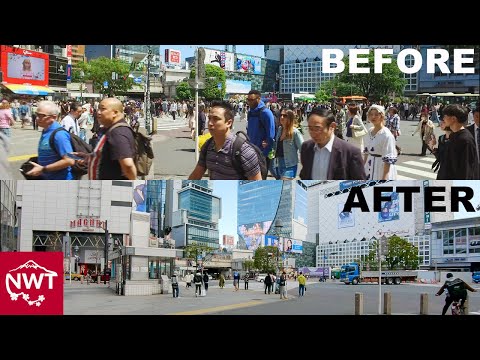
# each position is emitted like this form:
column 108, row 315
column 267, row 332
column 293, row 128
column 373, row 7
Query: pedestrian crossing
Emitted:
column 416, row 169
column 167, row 123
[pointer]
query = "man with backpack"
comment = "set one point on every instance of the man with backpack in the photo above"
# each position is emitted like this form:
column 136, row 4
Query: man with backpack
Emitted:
column 260, row 124
column 53, row 162
column 228, row 156
column 457, row 291
column 70, row 121
column 114, row 154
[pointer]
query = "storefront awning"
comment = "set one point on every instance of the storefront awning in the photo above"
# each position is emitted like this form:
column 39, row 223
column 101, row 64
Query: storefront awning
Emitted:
column 29, row 89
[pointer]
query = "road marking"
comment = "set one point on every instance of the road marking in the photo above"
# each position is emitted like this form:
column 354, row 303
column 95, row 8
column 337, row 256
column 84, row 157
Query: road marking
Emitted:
column 423, row 174
column 21, row 157
column 418, row 164
column 219, row 308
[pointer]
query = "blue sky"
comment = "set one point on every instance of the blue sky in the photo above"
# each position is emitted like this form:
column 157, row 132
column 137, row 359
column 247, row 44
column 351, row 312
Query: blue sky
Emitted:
column 475, row 185
column 227, row 191
column 189, row 50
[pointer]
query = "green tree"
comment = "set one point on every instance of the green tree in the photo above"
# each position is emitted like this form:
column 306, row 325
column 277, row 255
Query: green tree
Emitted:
column 265, row 258
column 183, row 91
column 322, row 96
column 213, row 76
column 248, row 265
column 192, row 251
column 100, row 70
column 401, row 254
column 375, row 86
column 339, row 88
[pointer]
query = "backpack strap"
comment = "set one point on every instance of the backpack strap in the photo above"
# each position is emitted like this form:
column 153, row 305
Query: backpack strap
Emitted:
column 204, row 148
column 236, row 147
column 118, row 124
column 51, row 140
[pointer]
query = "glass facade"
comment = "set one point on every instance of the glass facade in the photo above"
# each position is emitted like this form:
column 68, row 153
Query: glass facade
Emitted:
column 156, row 195
column 263, row 202
column 459, row 241
column 130, row 53
column 202, row 236
column 200, row 205
column 8, row 193
column 304, row 76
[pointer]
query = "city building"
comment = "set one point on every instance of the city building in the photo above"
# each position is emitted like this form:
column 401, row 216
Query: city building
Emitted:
column 78, row 54
column 80, row 217
column 271, row 210
column 338, row 253
column 301, row 66
column 456, row 83
column 193, row 213
column 456, row 245
column 8, row 193
column 156, row 199
column 328, row 224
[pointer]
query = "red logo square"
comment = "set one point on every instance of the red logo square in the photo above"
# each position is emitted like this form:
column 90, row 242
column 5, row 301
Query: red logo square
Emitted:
column 31, row 283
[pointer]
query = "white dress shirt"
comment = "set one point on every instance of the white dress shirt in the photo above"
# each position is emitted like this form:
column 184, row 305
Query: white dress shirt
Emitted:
column 321, row 160
column 70, row 124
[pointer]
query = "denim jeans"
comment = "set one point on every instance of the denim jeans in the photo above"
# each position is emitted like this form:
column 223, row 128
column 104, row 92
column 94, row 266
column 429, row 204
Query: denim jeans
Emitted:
column 279, row 170
column 6, row 131
column 301, row 290
column 176, row 290
column 83, row 134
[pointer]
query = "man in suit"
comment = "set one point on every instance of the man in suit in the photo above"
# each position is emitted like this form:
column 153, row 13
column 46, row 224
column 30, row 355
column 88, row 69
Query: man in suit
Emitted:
column 475, row 129
column 325, row 156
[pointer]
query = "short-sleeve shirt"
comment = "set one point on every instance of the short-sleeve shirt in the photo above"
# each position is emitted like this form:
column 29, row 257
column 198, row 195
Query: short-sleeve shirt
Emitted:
column 116, row 145
column 219, row 163
column 47, row 155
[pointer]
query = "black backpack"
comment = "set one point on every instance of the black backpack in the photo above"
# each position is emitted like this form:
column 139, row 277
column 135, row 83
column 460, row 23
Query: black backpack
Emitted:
column 236, row 158
column 456, row 289
column 78, row 145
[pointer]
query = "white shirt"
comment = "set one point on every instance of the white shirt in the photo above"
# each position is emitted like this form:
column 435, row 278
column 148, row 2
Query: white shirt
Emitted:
column 70, row 124
column 321, row 160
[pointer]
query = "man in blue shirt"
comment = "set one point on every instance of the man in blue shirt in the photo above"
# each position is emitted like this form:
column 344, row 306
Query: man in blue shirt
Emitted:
column 53, row 164
column 261, row 124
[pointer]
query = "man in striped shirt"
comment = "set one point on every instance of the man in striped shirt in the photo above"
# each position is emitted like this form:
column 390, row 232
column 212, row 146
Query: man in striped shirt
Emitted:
column 216, row 154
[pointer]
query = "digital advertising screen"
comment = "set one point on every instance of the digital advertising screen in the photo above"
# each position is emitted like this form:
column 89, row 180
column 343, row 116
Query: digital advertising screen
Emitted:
column 219, row 58
column 390, row 209
column 21, row 66
column 254, row 234
column 248, row 64
column 345, row 219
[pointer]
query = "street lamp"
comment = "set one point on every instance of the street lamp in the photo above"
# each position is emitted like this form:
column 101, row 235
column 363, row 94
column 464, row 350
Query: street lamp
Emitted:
column 82, row 75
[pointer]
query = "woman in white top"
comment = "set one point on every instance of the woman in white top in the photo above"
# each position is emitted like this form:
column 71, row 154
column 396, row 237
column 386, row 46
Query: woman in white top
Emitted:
column 355, row 129
column 380, row 154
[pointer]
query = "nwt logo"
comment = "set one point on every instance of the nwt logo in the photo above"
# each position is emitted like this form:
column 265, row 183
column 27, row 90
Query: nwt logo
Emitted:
column 33, row 287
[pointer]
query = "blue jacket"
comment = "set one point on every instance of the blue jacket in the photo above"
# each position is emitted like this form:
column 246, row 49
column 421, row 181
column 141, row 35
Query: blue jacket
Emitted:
column 291, row 147
column 261, row 126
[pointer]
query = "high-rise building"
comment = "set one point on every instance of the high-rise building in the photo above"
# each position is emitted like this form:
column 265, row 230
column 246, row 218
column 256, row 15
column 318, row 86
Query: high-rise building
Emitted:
column 78, row 54
column 156, row 198
column 261, row 204
column 8, row 193
column 193, row 213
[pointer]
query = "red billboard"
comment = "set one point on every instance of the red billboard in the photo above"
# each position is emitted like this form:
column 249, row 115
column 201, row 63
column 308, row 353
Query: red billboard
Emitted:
column 228, row 240
column 172, row 56
column 21, row 66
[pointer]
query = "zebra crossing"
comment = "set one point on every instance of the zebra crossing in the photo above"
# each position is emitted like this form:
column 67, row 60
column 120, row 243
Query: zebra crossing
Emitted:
column 416, row 169
column 167, row 123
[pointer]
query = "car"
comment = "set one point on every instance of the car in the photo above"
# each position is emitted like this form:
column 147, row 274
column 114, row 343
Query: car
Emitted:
column 260, row 277
column 73, row 276
column 476, row 277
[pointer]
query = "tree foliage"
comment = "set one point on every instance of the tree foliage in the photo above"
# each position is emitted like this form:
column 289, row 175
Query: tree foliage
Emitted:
column 375, row 86
column 248, row 265
column 191, row 251
column 184, row 92
column 339, row 88
column 401, row 254
column 265, row 258
column 213, row 76
column 100, row 70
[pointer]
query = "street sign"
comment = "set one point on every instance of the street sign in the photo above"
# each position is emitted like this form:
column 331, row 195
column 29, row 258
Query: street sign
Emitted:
column 137, row 80
column 105, row 84
column 191, row 82
column 219, row 85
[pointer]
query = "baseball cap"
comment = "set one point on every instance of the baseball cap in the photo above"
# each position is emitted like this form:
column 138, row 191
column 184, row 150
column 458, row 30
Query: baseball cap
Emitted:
column 379, row 108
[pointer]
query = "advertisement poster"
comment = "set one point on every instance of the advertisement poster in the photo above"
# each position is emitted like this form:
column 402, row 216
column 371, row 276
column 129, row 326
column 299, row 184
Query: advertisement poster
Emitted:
column 173, row 56
column 271, row 240
column 21, row 66
column 254, row 234
column 140, row 196
column 345, row 219
column 238, row 86
column 292, row 246
column 390, row 209
column 219, row 58
column 248, row 64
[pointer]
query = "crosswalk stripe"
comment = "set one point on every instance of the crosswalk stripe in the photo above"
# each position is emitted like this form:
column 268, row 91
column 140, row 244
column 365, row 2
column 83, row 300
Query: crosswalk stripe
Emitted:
column 401, row 177
column 430, row 160
column 418, row 164
column 423, row 174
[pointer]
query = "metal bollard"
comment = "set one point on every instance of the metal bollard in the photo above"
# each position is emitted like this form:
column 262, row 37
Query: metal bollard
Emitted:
column 387, row 303
column 358, row 303
column 424, row 304
column 81, row 279
column 465, row 307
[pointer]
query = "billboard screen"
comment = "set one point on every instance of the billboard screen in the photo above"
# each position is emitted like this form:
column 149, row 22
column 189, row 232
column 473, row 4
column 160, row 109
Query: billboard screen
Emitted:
column 228, row 240
column 139, row 195
column 345, row 219
column 219, row 58
column 254, row 234
column 238, row 86
column 390, row 209
column 248, row 64
column 173, row 56
column 21, row 66
column 271, row 240
column 292, row 246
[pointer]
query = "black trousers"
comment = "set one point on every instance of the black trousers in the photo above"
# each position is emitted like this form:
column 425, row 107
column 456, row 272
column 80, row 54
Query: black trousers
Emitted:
column 246, row 285
column 448, row 302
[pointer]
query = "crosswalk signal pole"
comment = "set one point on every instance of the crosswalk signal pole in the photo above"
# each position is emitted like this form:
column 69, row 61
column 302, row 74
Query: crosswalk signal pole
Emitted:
column 148, row 114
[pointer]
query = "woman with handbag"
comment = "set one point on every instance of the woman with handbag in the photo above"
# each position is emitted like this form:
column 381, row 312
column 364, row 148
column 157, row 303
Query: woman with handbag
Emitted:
column 355, row 129
column 288, row 142
column 6, row 118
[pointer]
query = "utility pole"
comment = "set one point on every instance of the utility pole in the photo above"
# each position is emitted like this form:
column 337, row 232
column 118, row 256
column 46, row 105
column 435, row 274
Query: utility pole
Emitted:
column 106, row 254
column 148, row 114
